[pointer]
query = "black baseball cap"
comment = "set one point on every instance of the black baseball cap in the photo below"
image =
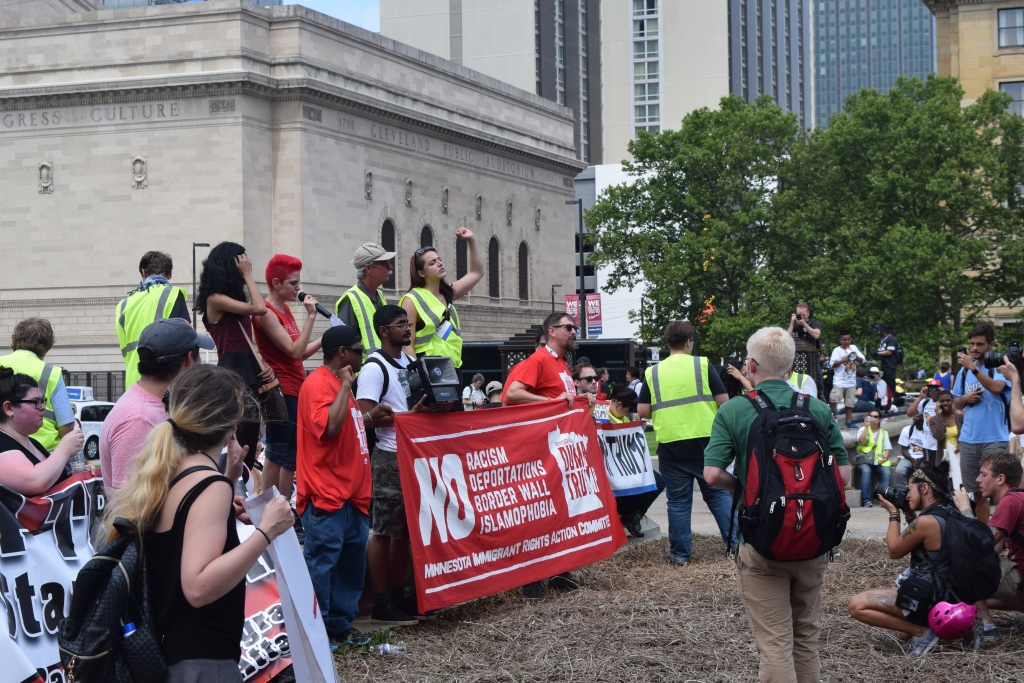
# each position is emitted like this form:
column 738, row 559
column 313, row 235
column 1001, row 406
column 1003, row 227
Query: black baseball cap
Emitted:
column 338, row 337
column 170, row 340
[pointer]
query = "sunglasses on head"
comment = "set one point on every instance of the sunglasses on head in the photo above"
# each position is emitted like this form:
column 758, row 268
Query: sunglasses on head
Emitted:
column 423, row 250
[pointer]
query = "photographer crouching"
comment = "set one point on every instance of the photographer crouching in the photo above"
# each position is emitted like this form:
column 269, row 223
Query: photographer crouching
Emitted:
column 927, row 580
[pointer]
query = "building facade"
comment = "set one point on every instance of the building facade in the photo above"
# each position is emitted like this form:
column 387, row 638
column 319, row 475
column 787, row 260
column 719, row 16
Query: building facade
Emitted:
column 868, row 44
column 769, row 53
column 982, row 45
column 278, row 128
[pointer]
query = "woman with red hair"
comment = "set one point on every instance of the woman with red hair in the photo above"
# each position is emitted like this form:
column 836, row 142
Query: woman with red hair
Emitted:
column 284, row 346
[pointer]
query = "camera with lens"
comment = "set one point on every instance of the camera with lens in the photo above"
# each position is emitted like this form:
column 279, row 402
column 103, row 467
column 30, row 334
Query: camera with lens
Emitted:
column 962, row 349
column 799, row 316
column 897, row 495
column 1013, row 354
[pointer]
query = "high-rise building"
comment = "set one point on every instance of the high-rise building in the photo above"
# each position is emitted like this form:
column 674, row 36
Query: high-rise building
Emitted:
column 868, row 44
column 118, row 4
column 548, row 47
column 769, row 53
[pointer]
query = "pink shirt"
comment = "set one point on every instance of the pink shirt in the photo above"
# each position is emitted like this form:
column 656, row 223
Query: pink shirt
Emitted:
column 124, row 432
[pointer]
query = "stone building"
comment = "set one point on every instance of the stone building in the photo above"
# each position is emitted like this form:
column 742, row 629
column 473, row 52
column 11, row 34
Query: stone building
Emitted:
column 277, row 127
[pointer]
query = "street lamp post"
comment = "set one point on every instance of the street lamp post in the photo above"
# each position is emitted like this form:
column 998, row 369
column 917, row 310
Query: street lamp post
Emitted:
column 553, row 287
column 194, row 245
column 581, row 305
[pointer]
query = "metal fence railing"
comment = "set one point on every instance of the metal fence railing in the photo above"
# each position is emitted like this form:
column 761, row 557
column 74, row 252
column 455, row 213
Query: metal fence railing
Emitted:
column 106, row 386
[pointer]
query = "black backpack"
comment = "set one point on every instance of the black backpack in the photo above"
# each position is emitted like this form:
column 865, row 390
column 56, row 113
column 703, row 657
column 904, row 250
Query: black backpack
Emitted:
column 111, row 597
column 794, row 504
column 899, row 353
column 974, row 572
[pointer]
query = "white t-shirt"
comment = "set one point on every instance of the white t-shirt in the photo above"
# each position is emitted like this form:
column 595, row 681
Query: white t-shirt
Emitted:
column 371, row 381
column 808, row 387
column 914, row 442
column 845, row 375
column 635, row 386
column 928, row 408
column 471, row 393
column 882, row 393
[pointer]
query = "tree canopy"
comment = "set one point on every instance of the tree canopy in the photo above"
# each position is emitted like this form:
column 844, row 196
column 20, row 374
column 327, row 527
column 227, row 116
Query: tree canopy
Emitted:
column 906, row 210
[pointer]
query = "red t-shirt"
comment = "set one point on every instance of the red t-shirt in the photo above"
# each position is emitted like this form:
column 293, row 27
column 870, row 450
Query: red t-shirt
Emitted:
column 330, row 472
column 289, row 370
column 1009, row 516
column 545, row 373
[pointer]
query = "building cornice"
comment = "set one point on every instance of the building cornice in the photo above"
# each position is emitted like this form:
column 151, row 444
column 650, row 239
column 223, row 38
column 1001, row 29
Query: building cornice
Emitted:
column 946, row 5
column 260, row 85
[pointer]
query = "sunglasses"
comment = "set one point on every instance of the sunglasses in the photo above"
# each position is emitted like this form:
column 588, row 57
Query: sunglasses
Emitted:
column 423, row 250
column 39, row 403
column 358, row 350
column 568, row 328
column 591, row 378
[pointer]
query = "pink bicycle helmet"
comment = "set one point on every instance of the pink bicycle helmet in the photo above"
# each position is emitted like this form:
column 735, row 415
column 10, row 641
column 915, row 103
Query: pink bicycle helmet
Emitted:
column 950, row 622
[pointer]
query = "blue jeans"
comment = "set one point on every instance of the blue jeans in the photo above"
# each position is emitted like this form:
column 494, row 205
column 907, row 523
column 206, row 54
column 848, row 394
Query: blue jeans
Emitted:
column 679, row 474
column 335, row 552
column 866, row 471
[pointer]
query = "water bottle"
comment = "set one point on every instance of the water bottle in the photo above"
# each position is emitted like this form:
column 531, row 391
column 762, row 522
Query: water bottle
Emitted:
column 77, row 462
column 389, row 649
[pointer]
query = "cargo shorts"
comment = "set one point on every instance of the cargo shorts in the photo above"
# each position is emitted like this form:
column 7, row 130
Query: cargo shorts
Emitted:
column 387, row 506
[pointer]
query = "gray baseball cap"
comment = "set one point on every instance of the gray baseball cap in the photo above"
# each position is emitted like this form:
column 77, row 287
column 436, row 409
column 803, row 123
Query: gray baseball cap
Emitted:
column 170, row 340
column 369, row 253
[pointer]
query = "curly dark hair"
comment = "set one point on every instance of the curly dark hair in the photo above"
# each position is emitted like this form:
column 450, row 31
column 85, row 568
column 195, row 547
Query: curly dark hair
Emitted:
column 221, row 275
column 939, row 474
column 13, row 387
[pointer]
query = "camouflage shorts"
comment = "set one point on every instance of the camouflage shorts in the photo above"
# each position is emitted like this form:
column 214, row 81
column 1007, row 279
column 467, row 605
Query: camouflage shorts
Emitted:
column 387, row 507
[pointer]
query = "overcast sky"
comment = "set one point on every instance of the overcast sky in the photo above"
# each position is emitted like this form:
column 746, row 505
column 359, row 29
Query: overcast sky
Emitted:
column 364, row 13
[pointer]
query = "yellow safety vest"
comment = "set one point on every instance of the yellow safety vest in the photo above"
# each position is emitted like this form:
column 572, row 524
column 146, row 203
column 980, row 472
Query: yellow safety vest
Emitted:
column 875, row 443
column 432, row 312
column 683, row 406
column 135, row 312
column 617, row 420
column 798, row 378
column 364, row 309
column 25, row 362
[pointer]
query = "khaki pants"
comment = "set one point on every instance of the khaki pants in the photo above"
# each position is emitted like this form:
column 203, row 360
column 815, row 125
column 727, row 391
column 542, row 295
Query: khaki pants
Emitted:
column 783, row 601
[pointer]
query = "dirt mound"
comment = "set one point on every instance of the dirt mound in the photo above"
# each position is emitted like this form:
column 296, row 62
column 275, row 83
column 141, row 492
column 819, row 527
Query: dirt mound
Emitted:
column 641, row 619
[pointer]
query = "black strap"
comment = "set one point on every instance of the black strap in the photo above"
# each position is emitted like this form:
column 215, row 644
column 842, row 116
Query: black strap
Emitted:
column 760, row 401
column 799, row 401
column 190, row 470
column 383, row 371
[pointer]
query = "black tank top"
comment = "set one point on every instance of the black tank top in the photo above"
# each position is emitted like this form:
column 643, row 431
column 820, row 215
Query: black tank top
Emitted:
column 213, row 631
column 933, row 564
column 7, row 443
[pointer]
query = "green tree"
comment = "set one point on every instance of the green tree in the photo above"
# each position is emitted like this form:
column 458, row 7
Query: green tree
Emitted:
column 906, row 210
column 694, row 227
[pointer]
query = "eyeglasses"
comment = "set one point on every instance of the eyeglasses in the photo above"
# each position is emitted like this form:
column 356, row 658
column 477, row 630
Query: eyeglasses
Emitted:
column 568, row 328
column 746, row 361
column 592, row 378
column 386, row 264
column 402, row 326
column 39, row 403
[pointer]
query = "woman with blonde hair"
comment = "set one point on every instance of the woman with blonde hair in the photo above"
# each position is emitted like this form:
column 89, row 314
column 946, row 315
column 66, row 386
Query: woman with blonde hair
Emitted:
column 183, row 508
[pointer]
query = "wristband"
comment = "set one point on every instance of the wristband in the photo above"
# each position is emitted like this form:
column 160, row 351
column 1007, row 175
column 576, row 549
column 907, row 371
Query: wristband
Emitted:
column 894, row 518
column 366, row 416
column 264, row 535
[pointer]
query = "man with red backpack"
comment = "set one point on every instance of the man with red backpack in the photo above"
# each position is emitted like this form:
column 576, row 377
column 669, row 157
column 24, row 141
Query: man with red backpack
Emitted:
column 789, row 522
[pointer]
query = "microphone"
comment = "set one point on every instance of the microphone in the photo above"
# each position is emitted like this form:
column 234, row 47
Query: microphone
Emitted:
column 319, row 309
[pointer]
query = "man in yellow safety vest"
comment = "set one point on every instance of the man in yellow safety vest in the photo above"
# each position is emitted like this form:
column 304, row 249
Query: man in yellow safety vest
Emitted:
column 356, row 307
column 31, row 340
column 873, row 448
column 681, row 394
column 154, row 299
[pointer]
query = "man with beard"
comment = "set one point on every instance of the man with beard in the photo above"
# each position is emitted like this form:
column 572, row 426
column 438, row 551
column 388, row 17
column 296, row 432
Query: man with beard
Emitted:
column 545, row 376
column 385, row 380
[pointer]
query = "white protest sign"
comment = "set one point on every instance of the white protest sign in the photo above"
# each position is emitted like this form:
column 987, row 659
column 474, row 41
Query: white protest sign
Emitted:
column 626, row 458
column 307, row 635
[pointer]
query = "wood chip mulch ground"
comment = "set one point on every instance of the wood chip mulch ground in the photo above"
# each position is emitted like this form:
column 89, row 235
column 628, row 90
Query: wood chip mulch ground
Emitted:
column 640, row 619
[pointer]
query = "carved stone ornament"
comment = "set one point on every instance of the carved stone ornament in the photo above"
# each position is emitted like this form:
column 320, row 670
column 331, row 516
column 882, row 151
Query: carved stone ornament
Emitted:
column 46, row 177
column 408, row 191
column 536, row 218
column 444, row 200
column 508, row 213
column 368, row 184
column 479, row 206
column 140, row 174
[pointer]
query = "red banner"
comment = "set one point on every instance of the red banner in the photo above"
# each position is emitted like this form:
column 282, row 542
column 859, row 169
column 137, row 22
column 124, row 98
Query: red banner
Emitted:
column 496, row 499
column 572, row 307
column 594, row 324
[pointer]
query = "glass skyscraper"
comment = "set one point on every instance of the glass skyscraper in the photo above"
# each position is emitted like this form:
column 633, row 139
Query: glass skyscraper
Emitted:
column 867, row 44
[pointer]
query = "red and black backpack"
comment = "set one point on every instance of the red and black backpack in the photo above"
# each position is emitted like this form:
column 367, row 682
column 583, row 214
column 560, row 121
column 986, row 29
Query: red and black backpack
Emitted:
column 793, row 504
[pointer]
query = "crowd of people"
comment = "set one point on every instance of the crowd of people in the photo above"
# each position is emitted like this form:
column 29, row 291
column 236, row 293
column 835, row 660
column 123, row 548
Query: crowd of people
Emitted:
column 182, row 440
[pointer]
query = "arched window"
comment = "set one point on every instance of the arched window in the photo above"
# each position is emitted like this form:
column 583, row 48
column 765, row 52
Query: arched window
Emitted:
column 387, row 240
column 524, row 272
column 461, row 258
column 426, row 237
column 494, row 269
